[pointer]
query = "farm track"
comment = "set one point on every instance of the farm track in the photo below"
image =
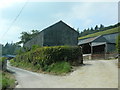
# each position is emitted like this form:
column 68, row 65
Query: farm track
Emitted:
column 94, row 74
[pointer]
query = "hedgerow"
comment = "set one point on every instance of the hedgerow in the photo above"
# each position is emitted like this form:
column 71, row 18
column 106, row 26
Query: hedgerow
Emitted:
column 44, row 57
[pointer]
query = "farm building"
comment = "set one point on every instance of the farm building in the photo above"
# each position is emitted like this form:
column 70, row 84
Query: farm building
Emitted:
column 99, row 47
column 55, row 35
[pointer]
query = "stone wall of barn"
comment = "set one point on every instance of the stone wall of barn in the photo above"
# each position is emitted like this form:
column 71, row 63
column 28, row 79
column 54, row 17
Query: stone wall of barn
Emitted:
column 38, row 40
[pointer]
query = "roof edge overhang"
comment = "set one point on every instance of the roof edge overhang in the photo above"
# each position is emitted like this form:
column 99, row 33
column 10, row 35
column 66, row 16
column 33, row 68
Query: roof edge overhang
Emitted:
column 97, row 43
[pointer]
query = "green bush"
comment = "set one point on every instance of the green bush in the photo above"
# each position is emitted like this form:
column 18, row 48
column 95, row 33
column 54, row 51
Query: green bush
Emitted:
column 34, row 47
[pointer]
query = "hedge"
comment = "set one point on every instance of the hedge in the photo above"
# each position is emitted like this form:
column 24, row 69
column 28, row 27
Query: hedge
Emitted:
column 45, row 56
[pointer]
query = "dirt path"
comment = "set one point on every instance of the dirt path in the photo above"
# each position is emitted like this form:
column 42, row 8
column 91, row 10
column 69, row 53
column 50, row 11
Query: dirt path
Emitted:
column 95, row 74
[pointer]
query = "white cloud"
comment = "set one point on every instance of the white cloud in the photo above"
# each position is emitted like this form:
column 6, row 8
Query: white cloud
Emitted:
column 79, row 12
column 9, row 3
column 89, row 13
column 6, row 3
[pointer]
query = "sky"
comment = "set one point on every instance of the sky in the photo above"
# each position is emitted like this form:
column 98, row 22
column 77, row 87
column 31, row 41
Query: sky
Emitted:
column 37, row 15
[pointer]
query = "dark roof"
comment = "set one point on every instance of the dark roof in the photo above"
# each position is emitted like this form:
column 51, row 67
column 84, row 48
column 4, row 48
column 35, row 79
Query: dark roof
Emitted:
column 109, row 38
column 57, row 24
column 88, row 40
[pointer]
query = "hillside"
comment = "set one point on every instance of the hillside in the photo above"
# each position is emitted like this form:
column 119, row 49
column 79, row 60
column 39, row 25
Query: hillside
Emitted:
column 109, row 31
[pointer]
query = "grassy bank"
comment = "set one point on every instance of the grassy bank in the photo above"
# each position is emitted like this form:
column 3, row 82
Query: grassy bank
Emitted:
column 114, row 30
column 58, row 68
column 8, row 80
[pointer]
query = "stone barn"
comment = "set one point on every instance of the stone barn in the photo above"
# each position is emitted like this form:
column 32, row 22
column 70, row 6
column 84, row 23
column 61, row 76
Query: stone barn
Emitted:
column 55, row 35
column 100, row 47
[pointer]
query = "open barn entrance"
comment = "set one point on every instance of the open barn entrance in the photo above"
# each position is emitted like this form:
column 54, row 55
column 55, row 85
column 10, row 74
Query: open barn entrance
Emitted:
column 98, row 52
column 99, row 49
column 86, row 48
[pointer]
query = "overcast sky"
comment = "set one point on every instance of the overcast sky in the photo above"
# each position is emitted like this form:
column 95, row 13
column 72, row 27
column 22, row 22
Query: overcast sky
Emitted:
column 39, row 15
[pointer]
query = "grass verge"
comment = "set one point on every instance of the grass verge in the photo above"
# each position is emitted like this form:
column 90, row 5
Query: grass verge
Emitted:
column 8, row 80
column 58, row 68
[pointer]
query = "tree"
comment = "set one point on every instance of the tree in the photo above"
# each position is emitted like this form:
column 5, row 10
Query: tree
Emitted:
column 96, row 27
column 10, row 48
column 78, row 30
column 25, row 36
column 34, row 33
column 101, row 26
column 91, row 29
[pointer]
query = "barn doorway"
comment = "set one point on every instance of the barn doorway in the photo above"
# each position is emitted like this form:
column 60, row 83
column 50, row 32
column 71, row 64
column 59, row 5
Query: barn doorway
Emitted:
column 86, row 48
column 99, row 49
column 99, row 52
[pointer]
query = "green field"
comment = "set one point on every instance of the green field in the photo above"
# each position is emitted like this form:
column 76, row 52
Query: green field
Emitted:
column 114, row 30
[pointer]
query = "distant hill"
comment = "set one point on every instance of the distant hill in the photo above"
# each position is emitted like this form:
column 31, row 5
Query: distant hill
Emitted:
column 97, row 28
column 109, row 31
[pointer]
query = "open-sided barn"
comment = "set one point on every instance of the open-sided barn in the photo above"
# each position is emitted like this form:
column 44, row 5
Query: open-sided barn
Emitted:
column 100, row 46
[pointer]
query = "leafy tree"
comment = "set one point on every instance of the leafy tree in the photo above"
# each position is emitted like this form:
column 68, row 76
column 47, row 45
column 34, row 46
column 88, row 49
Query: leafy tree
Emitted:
column 26, row 36
column 34, row 33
